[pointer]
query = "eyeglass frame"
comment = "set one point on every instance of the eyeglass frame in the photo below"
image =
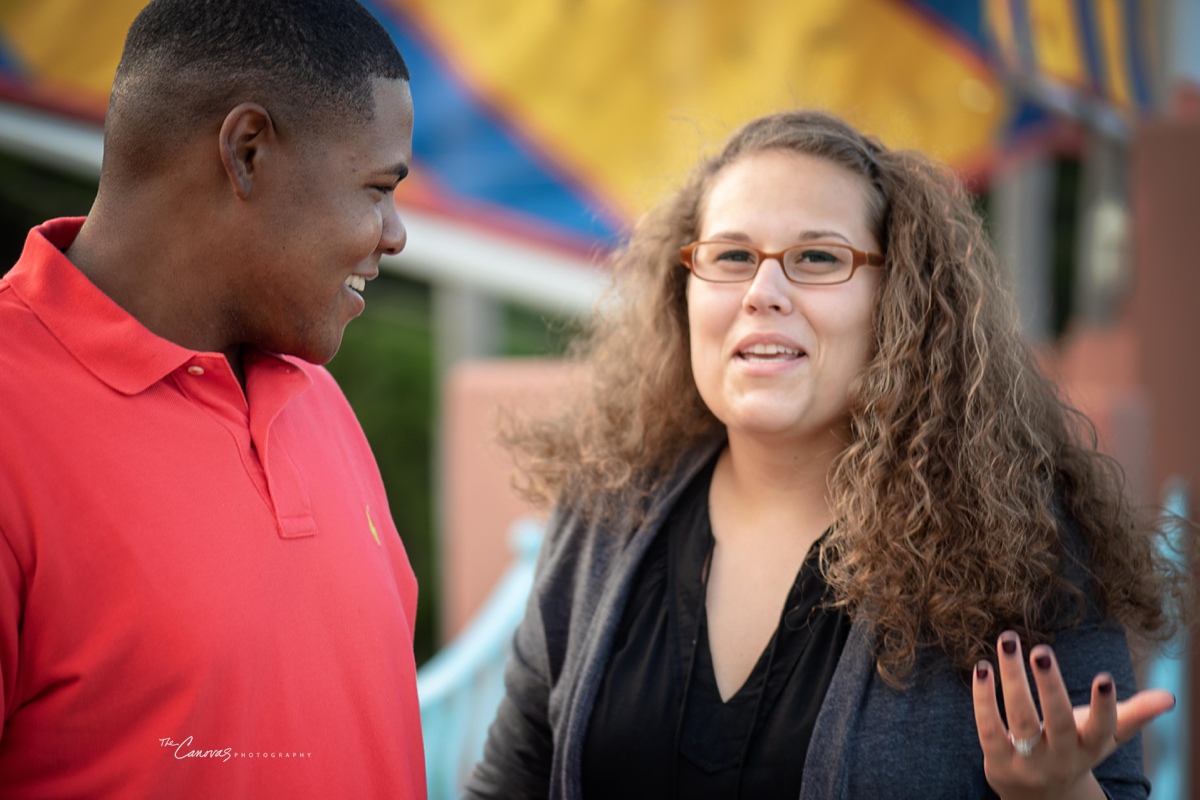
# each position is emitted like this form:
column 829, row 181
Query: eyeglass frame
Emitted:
column 861, row 259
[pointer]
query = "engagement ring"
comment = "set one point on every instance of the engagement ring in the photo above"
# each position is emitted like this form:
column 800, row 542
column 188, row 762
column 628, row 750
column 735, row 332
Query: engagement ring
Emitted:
column 1025, row 747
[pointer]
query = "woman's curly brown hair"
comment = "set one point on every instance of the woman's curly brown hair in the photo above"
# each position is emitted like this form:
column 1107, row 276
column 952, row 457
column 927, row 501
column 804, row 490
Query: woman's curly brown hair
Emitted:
column 964, row 461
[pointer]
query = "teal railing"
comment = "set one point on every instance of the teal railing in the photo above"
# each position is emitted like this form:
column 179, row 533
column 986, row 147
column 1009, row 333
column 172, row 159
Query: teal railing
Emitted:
column 460, row 688
column 1167, row 739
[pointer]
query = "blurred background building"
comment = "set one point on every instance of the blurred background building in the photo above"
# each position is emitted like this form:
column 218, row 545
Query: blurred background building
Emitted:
column 544, row 128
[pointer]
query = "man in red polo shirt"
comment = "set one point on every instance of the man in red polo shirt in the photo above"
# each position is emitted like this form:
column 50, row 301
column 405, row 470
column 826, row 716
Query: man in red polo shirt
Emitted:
column 202, row 593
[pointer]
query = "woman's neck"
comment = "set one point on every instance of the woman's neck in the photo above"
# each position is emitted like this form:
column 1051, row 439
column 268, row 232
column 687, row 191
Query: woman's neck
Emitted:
column 766, row 490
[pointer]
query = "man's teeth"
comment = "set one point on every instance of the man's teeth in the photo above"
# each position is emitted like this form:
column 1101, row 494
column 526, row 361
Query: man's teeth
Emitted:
column 356, row 282
column 770, row 351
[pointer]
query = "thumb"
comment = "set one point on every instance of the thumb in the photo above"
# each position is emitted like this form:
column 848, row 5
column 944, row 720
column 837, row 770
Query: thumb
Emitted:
column 1138, row 711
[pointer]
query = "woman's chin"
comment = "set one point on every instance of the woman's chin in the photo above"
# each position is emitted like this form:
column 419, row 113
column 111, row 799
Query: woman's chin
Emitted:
column 781, row 429
column 767, row 428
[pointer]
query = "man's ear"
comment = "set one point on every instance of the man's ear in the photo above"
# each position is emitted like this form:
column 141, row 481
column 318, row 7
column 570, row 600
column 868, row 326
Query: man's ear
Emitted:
column 247, row 129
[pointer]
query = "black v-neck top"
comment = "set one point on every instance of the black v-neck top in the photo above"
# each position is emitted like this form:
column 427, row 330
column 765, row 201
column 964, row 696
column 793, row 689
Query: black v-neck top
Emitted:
column 659, row 729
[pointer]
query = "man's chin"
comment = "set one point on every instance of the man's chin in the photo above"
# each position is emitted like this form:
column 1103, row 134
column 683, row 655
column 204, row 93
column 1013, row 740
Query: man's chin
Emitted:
column 321, row 357
column 314, row 352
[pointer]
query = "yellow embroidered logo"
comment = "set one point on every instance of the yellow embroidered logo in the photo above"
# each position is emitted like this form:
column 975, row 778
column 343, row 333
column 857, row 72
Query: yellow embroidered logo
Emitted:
column 371, row 524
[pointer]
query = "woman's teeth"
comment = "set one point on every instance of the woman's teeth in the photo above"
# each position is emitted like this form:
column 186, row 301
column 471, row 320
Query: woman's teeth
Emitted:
column 769, row 351
column 356, row 282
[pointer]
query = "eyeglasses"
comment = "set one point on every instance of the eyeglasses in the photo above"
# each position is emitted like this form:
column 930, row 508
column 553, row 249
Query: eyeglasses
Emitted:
column 811, row 263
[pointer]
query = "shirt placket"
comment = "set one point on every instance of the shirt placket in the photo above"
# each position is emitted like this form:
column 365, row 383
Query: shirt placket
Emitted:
column 208, row 382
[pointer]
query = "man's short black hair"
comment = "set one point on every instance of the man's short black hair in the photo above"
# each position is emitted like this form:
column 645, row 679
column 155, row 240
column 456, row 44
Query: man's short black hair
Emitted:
column 186, row 62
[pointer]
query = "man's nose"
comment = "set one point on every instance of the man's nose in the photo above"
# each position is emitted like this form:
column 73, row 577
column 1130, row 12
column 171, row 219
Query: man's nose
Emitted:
column 394, row 235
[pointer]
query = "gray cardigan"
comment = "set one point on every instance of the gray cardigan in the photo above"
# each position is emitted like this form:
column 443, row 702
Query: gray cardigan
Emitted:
column 870, row 741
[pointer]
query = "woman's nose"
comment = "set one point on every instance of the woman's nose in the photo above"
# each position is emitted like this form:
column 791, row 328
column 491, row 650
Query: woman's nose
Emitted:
column 769, row 290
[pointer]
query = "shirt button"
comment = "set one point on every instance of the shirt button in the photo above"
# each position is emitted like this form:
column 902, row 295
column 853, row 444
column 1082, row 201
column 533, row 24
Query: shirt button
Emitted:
column 194, row 370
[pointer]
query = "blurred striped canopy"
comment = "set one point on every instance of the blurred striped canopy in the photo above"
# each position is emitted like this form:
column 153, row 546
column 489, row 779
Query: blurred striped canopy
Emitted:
column 568, row 118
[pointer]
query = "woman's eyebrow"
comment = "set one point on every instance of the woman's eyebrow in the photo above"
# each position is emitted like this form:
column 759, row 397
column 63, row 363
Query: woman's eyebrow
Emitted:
column 730, row 236
column 809, row 236
column 804, row 236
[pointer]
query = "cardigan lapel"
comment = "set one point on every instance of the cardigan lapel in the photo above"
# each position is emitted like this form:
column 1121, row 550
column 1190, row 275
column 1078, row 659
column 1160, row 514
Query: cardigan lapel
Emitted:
column 598, row 646
column 827, row 765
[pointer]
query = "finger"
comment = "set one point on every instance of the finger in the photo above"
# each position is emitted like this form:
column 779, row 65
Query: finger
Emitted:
column 1139, row 710
column 1057, row 714
column 1097, row 733
column 1018, row 701
column 992, row 736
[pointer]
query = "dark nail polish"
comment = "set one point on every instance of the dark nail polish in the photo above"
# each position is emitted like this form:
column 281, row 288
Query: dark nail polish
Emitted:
column 1009, row 645
column 1042, row 662
column 981, row 671
column 1105, row 686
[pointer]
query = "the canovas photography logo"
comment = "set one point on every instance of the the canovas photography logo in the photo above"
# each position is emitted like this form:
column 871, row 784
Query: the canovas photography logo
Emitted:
column 188, row 748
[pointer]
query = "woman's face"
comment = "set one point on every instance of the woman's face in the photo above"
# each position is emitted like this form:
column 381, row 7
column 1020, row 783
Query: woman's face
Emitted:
column 811, row 341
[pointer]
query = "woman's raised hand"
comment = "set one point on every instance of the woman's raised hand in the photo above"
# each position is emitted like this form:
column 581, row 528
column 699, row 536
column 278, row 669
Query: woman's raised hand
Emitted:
column 1051, row 756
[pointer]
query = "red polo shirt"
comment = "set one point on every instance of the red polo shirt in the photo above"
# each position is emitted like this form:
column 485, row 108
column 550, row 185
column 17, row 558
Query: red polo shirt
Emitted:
column 202, row 593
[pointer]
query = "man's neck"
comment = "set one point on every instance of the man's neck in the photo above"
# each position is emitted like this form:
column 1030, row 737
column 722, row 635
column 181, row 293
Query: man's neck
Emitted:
column 141, row 268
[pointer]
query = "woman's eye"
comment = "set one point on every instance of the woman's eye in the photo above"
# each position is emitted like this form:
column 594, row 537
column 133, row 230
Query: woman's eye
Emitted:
column 818, row 256
column 736, row 255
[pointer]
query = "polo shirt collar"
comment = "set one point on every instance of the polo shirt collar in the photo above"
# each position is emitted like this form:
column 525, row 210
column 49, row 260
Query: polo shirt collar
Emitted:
column 106, row 339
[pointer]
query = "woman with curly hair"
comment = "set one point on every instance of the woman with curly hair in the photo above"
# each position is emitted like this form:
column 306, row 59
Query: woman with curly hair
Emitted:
column 813, row 500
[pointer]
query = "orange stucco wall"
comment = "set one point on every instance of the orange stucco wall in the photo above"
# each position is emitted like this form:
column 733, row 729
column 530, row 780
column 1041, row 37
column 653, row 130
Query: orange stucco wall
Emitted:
column 479, row 504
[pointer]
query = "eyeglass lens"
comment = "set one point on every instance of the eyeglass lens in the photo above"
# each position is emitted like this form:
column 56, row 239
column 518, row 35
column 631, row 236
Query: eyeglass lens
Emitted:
column 808, row 263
